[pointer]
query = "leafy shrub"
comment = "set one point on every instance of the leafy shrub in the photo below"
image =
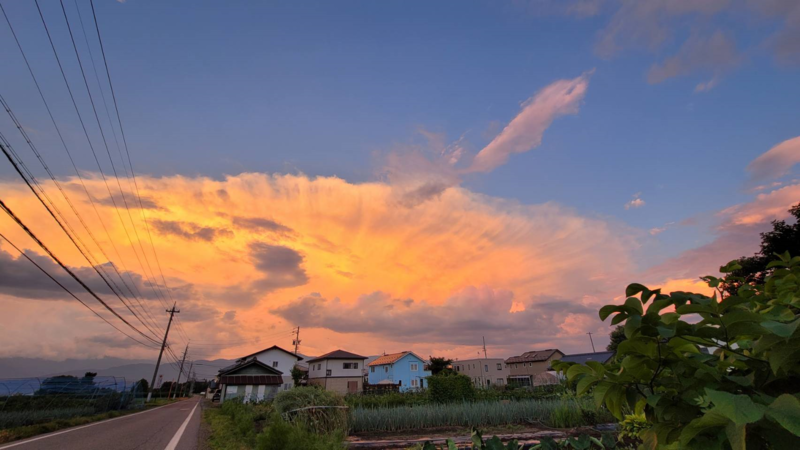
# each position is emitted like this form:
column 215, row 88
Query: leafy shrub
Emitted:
column 317, row 409
column 389, row 399
column 450, row 387
column 282, row 435
column 744, row 394
column 631, row 427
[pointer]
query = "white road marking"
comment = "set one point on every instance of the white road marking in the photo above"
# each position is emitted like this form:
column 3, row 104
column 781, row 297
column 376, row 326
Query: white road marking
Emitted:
column 177, row 438
column 3, row 447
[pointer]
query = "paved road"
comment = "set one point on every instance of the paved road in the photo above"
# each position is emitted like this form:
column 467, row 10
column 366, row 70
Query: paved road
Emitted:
column 171, row 427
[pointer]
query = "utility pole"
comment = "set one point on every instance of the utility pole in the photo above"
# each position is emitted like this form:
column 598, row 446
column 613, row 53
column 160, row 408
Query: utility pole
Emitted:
column 161, row 353
column 296, row 339
column 592, row 341
column 484, row 348
column 180, row 371
column 190, row 378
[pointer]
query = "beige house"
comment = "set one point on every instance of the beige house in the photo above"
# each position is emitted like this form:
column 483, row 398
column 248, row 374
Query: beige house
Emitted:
column 524, row 369
column 338, row 371
column 484, row 372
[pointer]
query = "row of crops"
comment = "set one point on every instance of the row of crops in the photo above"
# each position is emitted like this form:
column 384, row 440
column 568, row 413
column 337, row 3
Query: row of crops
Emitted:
column 32, row 401
column 558, row 413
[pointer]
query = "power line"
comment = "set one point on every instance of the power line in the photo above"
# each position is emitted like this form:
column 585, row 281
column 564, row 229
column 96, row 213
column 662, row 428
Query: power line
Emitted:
column 127, row 152
column 72, row 161
column 23, row 254
column 41, row 244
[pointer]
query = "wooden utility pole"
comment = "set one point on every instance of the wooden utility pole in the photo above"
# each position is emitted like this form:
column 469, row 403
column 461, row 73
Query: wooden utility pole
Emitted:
column 180, row 371
column 172, row 313
column 592, row 341
column 484, row 348
column 296, row 339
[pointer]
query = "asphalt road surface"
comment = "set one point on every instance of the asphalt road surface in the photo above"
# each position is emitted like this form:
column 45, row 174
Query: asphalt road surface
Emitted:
column 171, row 427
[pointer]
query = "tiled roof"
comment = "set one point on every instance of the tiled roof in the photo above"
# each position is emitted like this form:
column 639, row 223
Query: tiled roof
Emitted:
column 270, row 348
column 231, row 370
column 337, row 354
column 581, row 358
column 234, row 380
column 391, row 358
column 533, row 356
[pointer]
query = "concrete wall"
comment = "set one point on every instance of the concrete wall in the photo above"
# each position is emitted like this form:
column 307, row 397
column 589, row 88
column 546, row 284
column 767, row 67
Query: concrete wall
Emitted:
column 281, row 361
column 484, row 372
column 339, row 385
column 318, row 369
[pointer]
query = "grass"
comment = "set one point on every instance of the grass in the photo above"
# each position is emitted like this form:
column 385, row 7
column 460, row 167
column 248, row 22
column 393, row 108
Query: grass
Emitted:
column 69, row 420
column 237, row 426
column 557, row 413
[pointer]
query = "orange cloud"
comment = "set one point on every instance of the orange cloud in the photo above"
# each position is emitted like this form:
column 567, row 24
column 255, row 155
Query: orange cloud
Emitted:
column 777, row 161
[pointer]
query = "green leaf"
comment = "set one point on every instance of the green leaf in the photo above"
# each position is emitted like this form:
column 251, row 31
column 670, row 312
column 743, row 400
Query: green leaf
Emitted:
column 637, row 346
column 708, row 421
column 513, row 445
column 738, row 408
column 494, row 444
column 786, row 411
column 635, row 304
column 637, row 366
column 619, row 318
column 607, row 441
column 694, row 309
column 600, row 392
column 783, row 330
column 576, row 370
column 477, row 438
column 614, row 398
column 597, row 368
column 736, row 436
column 451, row 445
column 585, row 383
column 428, row 446
column 784, row 355
column 607, row 310
column 634, row 288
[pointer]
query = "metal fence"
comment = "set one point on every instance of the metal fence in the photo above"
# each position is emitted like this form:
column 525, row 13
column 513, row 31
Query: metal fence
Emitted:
column 28, row 401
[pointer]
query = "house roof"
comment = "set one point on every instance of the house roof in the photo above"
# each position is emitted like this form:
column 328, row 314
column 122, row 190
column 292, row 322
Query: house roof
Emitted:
column 231, row 370
column 534, row 356
column 337, row 354
column 255, row 380
column 270, row 348
column 582, row 358
column 391, row 358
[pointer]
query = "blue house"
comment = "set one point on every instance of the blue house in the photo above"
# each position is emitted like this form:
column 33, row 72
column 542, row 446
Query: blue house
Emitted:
column 405, row 369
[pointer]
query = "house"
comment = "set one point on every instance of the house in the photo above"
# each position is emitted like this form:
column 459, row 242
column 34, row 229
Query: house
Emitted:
column 338, row 371
column 484, row 372
column 251, row 380
column 276, row 358
column 405, row 369
column 524, row 369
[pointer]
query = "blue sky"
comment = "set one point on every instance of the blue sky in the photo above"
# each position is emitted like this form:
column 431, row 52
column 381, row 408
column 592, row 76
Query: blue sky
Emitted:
column 329, row 88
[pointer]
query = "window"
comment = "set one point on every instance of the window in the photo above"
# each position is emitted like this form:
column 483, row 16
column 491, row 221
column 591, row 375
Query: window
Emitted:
column 328, row 373
column 386, row 369
column 372, row 369
column 499, row 366
column 350, row 365
column 274, row 363
column 486, row 368
column 488, row 382
column 499, row 381
column 413, row 383
column 414, row 367
column 458, row 368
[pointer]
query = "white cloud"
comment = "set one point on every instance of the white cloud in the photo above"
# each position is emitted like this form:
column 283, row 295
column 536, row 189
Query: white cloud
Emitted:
column 777, row 161
column 525, row 131
column 637, row 202
column 715, row 54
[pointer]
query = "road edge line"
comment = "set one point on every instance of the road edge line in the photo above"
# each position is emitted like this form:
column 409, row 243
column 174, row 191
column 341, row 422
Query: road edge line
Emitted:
column 173, row 443
column 56, row 433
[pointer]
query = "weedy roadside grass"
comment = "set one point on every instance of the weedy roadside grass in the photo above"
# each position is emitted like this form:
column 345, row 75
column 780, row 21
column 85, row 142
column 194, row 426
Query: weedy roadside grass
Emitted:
column 71, row 419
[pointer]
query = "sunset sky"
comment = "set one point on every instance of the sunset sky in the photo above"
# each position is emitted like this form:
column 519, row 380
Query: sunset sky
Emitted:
column 391, row 175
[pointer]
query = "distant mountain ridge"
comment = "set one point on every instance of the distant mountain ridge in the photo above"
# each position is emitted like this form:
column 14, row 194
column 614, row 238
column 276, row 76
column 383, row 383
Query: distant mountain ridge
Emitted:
column 130, row 369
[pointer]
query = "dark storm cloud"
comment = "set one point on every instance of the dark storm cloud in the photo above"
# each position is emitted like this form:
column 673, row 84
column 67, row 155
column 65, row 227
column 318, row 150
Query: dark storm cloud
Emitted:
column 190, row 231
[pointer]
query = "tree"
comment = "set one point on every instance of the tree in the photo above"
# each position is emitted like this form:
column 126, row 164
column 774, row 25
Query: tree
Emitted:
column 141, row 386
column 744, row 395
column 439, row 364
column 617, row 335
column 754, row 269
column 297, row 375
